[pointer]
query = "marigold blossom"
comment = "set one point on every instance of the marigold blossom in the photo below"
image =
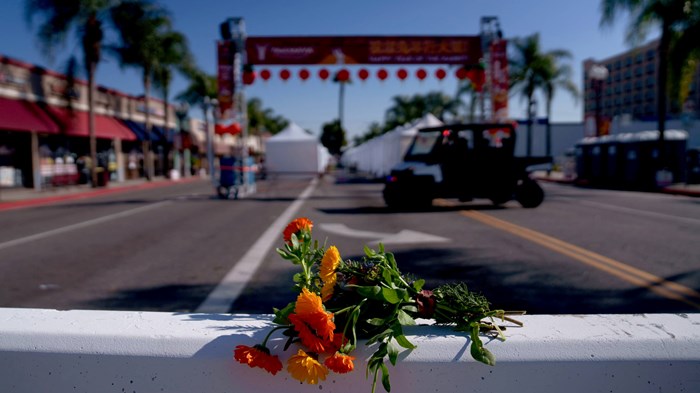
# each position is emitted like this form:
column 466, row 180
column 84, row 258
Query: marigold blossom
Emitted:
column 315, row 330
column 305, row 368
column 258, row 356
column 297, row 225
column 308, row 303
column 340, row 363
column 329, row 264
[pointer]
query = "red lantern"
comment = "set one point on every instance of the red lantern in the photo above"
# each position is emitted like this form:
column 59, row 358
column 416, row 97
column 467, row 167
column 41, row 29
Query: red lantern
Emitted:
column 265, row 74
column 461, row 73
column 323, row 74
column 304, row 74
column 285, row 74
column 421, row 74
column 440, row 74
column 342, row 75
column 382, row 74
column 402, row 74
column 248, row 77
column 221, row 128
column 363, row 74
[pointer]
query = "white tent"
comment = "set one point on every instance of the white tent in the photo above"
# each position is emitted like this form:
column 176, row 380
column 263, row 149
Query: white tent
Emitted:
column 293, row 150
column 378, row 155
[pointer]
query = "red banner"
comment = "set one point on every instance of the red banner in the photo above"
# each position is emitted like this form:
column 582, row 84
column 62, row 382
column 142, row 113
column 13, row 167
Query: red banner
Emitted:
column 499, row 80
column 463, row 50
column 225, row 51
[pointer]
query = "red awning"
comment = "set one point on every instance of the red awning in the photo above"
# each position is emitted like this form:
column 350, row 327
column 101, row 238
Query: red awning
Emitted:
column 21, row 115
column 75, row 123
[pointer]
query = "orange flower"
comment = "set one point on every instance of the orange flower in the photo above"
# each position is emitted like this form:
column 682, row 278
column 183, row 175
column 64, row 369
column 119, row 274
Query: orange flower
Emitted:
column 340, row 363
column 305, row 368
column 297, row 225
column 310, row 338
column 314, row 325
column 257, row 356
column 329, row 264
column 308, row 303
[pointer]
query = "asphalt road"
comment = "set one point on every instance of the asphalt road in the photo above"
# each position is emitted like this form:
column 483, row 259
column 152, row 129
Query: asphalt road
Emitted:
column 168, row 249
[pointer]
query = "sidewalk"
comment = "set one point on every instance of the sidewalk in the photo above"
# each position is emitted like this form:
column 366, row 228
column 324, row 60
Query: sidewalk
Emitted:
column 676, row 189
column 16, row 198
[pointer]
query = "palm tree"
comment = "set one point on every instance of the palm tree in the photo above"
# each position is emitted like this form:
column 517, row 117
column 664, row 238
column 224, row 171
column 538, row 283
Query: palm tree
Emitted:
column 174, row 54
column 83, row 18
column 674, row 17
column 527, row 68
column 555, row 75
column 201, row 90
column 141, row 25
column 467, row 88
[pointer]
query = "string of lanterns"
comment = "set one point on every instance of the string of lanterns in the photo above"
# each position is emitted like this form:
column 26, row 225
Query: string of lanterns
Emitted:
column 475, row 74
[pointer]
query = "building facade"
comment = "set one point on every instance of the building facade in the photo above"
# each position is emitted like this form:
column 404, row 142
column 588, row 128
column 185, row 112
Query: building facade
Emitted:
column 44, row 129
column 630, row 89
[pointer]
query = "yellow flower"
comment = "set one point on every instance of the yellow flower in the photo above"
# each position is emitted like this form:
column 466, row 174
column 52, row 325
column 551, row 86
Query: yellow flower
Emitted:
column 329, row 264
column 305, row 368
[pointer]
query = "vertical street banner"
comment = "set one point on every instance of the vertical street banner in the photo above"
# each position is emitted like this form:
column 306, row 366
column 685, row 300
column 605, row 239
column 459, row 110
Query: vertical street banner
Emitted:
column 226, row 86
column 499, row 80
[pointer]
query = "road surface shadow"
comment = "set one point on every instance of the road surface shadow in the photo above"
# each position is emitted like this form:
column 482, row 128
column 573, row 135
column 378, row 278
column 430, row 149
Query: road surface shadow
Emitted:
column 172, row 297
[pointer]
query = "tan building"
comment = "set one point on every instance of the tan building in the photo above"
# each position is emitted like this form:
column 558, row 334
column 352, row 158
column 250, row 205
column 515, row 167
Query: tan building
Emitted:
column 630, row 87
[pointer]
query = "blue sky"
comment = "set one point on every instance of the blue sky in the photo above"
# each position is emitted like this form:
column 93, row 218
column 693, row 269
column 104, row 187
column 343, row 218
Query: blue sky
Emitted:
column 571, row 25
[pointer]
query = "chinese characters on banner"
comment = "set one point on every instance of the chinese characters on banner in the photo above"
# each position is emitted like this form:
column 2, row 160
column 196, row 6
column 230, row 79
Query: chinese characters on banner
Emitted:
column 226, row 51
column 364, row 50
column 499, row 80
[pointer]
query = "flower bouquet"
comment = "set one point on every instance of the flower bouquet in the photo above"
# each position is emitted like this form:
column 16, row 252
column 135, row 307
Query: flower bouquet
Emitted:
column 341, row 302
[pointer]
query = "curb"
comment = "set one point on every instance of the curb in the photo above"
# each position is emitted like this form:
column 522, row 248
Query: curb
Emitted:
column 90, row 193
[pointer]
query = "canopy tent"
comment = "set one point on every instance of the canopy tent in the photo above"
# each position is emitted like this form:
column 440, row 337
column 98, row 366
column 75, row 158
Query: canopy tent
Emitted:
column 378, row 155
column 293, row 150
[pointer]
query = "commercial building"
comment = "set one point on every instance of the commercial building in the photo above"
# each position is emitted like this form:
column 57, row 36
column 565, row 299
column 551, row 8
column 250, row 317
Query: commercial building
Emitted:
column 44, row 129
column 630, row 87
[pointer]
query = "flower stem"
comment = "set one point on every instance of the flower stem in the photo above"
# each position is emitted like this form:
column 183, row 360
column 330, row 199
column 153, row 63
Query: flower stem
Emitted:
column 264, row 343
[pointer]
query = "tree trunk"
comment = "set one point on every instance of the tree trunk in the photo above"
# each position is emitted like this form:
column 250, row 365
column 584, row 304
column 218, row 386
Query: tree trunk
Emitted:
column 548, row 129
column 147, row 154
column 91, row 122
column 166, row 116
column 340, row 104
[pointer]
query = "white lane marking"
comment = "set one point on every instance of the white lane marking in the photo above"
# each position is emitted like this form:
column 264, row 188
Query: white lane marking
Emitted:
column 231, row 286
column 404, row 236
column 645, row 213
column 79, row 225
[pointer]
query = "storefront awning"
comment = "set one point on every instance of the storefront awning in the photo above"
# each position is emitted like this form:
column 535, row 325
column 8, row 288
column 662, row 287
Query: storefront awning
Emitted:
column 158, row 134
column 21, row 115
column 75, row 123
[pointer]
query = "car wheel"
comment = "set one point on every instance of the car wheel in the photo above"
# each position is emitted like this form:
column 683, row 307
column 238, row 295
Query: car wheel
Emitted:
column 529, row 194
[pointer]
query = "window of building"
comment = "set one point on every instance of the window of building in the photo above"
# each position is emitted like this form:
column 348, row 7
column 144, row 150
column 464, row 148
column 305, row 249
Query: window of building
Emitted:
column 628, row 61
column 650, row 54
column 628, row 87
column 628, row 74
column 651, row 67
column 618, row 64
column 638, row 59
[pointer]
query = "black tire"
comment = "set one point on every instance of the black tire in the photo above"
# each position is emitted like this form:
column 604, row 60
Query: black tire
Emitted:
column 529, row 194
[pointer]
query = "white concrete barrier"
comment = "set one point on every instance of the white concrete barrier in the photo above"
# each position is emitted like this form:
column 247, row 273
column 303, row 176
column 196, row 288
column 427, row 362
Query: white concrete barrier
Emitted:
column 102, row 351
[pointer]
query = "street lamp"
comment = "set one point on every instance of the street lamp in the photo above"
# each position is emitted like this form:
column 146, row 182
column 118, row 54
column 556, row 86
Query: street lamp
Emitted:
column 598, row 74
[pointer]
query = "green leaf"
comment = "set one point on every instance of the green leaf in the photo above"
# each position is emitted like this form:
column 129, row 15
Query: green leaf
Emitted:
column 281, row 315
column 418, row 284
column 370, row 292
column 402, row 293
column 387, row 276
column 393, row 353
column 403, row 341
column 410, row 308
column 405, row 319
column 376, row 321
column 390, row 295
column 385, row 378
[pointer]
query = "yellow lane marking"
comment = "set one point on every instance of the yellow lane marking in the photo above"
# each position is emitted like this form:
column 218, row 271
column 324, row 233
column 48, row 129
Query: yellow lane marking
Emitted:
column 658, row 285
